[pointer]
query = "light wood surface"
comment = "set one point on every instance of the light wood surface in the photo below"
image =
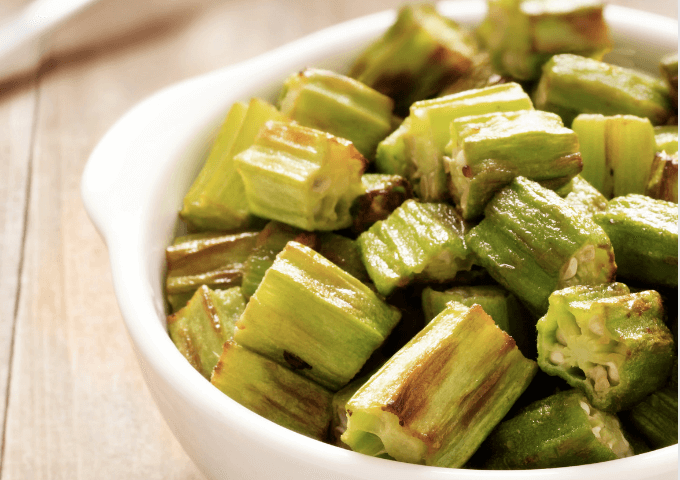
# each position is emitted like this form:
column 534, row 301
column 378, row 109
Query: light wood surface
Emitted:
column 73, row 404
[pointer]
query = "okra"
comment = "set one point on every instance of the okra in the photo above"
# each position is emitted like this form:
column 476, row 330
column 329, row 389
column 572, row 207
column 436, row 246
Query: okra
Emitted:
column 382, row 194
column 532, row 242
column 200, row 329
column 438, row 397
column 666, row 138
column 501, row 305
column 559, row 431
column 488, row 151
column 339, row 411
column 644, row 233
column 656, row 417
column 617, row 152
column 338, row 105
column 522, row 35
column 312, row 316
column 269, row 242
column 669, row 71
column 212, row 259
column 422, row 241
column 571, row 85
column 301, row 176
column 480, row 75
column 416, row 57
column 611, row 344
column 662, row 183
column 273, row 391
column 344, row 252
column 391, row 156
column 216, row 199
column 580, row 194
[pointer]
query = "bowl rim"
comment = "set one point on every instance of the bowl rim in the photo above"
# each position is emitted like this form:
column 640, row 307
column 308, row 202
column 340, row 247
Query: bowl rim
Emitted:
column 124, row 226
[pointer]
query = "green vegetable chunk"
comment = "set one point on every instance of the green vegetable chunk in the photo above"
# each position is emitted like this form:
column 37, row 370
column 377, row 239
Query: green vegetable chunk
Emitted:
column 314, row 317
column 522, row 35
column 656, row 417
column 488, row 151
column 666, row 138
column 273, row 391
column 200, row 329
column 344, row 252
column 617, row 152
column 662, row 183
column 532, row 242
column 669, row 71
column 610, row 343
column 559, row 431
column 424, row 241
column 216, row 199
column 383, row 194
column 438, row 397
column 338, row 105
column 571, row 85
column 301, row 176
column 497, row 302
column 416, row 57
column 392, row 157
column 339, row 416
column 213, row 259
column 644, row 233
column 582, row 195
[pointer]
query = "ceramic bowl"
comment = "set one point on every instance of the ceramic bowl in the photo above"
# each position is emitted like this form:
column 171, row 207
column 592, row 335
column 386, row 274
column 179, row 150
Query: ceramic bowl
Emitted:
column 133, row 187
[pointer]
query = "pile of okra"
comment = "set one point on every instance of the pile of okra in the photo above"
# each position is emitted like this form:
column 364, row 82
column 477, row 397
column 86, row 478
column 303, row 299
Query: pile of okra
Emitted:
column 463, row 253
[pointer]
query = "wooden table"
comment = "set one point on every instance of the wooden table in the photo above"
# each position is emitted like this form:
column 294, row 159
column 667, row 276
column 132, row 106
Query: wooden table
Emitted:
column 73, row 404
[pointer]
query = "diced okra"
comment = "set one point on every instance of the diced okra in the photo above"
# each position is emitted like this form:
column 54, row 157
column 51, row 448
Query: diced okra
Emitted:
column 418, row 240
column 314, row 317
column 488, row 151
column 338, row 105
column 523, row 34
column 273, row 391
column 617, row 152
column 212, row 259
column 644, row 233
column 497, row 302
column 611, row 344
column 339, row 410
column 559, row 431
column 391, row 156
column 382, row 194
column 669, row 71
column 571, row 85
column 666, row 137
column 344, row 252
column 532, row 242
column 301, row 176
column 416, row 57
column 216, row 199
column 200, row 329
column 437, row 398
column 582, row 195
column 662, row 183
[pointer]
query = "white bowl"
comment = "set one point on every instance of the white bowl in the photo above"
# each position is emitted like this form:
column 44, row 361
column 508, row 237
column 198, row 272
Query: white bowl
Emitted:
column 133, row 186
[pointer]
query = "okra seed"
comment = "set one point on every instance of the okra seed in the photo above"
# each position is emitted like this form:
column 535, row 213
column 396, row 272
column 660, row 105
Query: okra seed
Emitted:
column 596, row 325
column 588, row 253
column 596, row 431
column 571, row 269
column 557, row 358
column 599, row 377
column 613, row 373
column 561, row 338
column 585, row 407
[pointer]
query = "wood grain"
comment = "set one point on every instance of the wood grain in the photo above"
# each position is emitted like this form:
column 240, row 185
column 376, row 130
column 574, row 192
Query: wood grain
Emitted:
column 77, row 407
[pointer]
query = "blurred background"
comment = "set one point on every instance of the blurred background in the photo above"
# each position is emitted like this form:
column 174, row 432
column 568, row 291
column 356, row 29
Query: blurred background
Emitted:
column 73, row 404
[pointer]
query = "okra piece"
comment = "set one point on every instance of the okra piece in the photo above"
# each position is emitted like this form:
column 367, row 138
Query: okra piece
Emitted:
column 344, row 252
column 582, row 195
column 656, row 417
column 617, row 152
column 301, row 176
column 273, row 391
column 501, row 305
column 438, row 397
column 662, row 183
column 571, row 85
column 421, row 241
column 669, row 71
column 488, row 151
column 644, row 233
column 480, row 75
column 391, row 156
column 338, row 105
column 416, row 57
column 200, row 329
column 339, row 411
column 216, row 199
column 269, row 242
column 383, row 194
column 611, row 344
column 666, row 138
column 562, row 430
column 213, row 259
column 315, row 318
column 532, row 242
column 522, row 35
